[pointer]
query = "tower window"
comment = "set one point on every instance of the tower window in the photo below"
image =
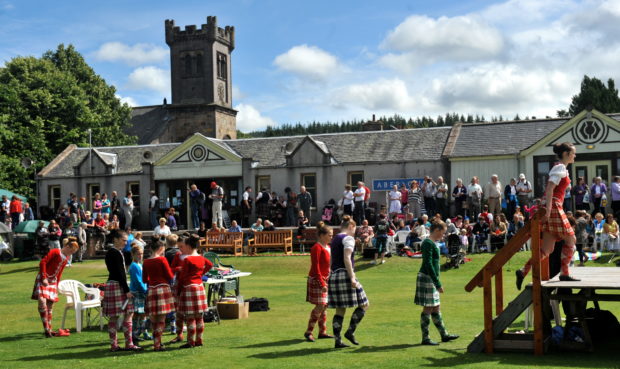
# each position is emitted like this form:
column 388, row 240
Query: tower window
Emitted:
column 188, row 65
column 199, row 64
column 222, row 67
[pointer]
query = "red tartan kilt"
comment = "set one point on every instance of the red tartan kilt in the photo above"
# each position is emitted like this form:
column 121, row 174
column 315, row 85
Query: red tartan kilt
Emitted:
column 192, row 300
column 113, row 300
column 49, row 292
column 558, row 223
column 159, row 300
column 314, row 293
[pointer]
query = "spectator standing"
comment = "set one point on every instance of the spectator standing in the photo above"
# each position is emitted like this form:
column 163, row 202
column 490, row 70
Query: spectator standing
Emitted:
column 358, row 209
column 524, row 189
column 567, row 203
column 415, row 200
column 441, row 198
column 395, row 200
column 474, row 198
column 115, row 205
column 246, row 207
column 105, row 204
column 15, row 208
column 347, row 200
column 615, row 197
column 74, row 208
column 404, row 196
column 366, row 197
column 493, row 193
column 291, row 206
column 28, row 213
column 304, row 199
column 197, row 200
column 579, row 193
column 4, row 210
column 217, row 195
column 54, row 233
column 381, row 236
column 82, row 240
column 153, row 208
column 459, row 194
column 127, row 207
column 597, row 191
column 262, row 203
column 429, row 189
column 510, row 196
column 97, row 207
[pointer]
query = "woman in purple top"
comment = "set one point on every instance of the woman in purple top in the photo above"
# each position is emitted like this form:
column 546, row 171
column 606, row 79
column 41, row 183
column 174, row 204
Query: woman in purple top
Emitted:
column 615, row 197
column 579, row 191
column 597, row 191
column 344, row 290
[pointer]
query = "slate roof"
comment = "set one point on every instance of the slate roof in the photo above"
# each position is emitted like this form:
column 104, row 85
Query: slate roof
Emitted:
column 148, row 123
column 373, row 146
column 502, row 138
column 129, row 158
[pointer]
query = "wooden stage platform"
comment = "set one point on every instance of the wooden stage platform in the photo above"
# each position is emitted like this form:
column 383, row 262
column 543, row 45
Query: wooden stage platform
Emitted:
column 599, row 278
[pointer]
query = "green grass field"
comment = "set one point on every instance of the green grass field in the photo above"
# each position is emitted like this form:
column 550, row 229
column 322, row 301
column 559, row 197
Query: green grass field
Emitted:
column 389, row 334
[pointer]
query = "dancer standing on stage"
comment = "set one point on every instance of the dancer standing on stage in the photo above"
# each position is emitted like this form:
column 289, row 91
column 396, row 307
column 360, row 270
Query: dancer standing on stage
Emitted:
column 344, row 290
column 46, row 284
column 428, row 286
column 555, row 225
column 317, row 282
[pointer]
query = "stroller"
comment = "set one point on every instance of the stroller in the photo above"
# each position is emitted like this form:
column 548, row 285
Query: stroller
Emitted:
column 330, row 215
column 455, row 256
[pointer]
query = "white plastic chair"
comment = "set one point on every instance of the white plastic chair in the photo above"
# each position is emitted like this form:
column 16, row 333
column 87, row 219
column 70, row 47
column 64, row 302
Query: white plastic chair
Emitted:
column 71, row 290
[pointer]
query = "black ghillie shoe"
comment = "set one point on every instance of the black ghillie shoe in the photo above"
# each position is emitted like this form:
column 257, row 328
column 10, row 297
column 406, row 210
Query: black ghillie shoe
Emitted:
column 351, row 338
column 339, row 344
column 568, row 278
column 449, row 337
column 324, row 336
column 309, row 337
column 520, row 278
column 429, row 342
column 187, row 345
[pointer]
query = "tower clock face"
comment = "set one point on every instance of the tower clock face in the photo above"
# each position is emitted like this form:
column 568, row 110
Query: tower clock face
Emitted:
column 221, row 92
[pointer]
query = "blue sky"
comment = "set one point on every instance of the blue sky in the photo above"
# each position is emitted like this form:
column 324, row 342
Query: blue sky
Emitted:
column 300, row 61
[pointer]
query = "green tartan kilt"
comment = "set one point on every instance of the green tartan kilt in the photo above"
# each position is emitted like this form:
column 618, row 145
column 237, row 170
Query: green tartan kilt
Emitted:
column 426, row 293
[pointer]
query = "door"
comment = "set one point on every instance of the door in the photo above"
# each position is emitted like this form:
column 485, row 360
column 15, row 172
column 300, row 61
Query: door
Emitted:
column 591, row 169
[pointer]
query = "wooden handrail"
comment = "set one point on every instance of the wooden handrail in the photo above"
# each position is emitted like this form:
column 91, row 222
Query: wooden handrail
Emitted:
column 502, row 256
column 494, row 268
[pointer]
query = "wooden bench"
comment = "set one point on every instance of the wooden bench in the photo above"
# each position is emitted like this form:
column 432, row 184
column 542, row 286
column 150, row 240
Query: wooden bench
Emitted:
column 272, row 239
column 310, row 236
column 223, row 240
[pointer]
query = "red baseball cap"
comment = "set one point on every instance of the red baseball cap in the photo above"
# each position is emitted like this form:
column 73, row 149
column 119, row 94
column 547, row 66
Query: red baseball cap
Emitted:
column 213, row 184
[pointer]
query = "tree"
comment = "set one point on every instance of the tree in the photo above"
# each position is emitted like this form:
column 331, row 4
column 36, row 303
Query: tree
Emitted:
column 595, row 94
column 48, row 103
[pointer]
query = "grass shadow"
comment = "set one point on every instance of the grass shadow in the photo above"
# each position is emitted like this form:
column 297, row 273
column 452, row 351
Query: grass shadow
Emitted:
column 82, row 355
column 22, row 270
column 365, row 349
column 293, row 353
column 275, row 343
column 18, row 337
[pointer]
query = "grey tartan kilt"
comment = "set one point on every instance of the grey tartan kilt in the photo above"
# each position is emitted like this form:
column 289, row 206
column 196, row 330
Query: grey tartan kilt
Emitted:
column 340, row 293
column 426, row 293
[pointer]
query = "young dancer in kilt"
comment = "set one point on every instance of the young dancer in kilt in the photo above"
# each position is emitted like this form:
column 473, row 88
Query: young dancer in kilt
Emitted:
column 45, row 289
column 428, row 286
column 555, row 226
column 192, row 297
column 316, row 292
column 176, row 266
column 344, row 290
column 138, row 290
column 117, row 299
column 159, row 301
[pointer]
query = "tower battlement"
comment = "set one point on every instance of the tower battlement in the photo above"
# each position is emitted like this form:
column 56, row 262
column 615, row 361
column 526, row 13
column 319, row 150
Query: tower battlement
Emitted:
column 210, row 32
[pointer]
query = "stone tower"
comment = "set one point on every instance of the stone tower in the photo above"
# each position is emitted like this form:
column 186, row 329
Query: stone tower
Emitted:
column 200, row 65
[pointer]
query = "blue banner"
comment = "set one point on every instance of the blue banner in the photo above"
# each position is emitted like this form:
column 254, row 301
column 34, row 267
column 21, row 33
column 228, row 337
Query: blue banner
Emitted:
column 386, row 184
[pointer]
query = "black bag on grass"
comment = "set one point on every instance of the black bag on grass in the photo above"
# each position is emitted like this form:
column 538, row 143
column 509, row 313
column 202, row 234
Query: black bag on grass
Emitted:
column 259, row 304
column 602, row 324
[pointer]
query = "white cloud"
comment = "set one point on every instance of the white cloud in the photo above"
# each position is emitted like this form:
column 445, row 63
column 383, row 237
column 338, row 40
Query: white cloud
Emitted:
column 384, row 94
column 250, row 119
column 137, row 54
column 237, row 94
column 308, row 62
column 149, row 78
column 127, row 99
column 425, row 40
column 501, row 88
